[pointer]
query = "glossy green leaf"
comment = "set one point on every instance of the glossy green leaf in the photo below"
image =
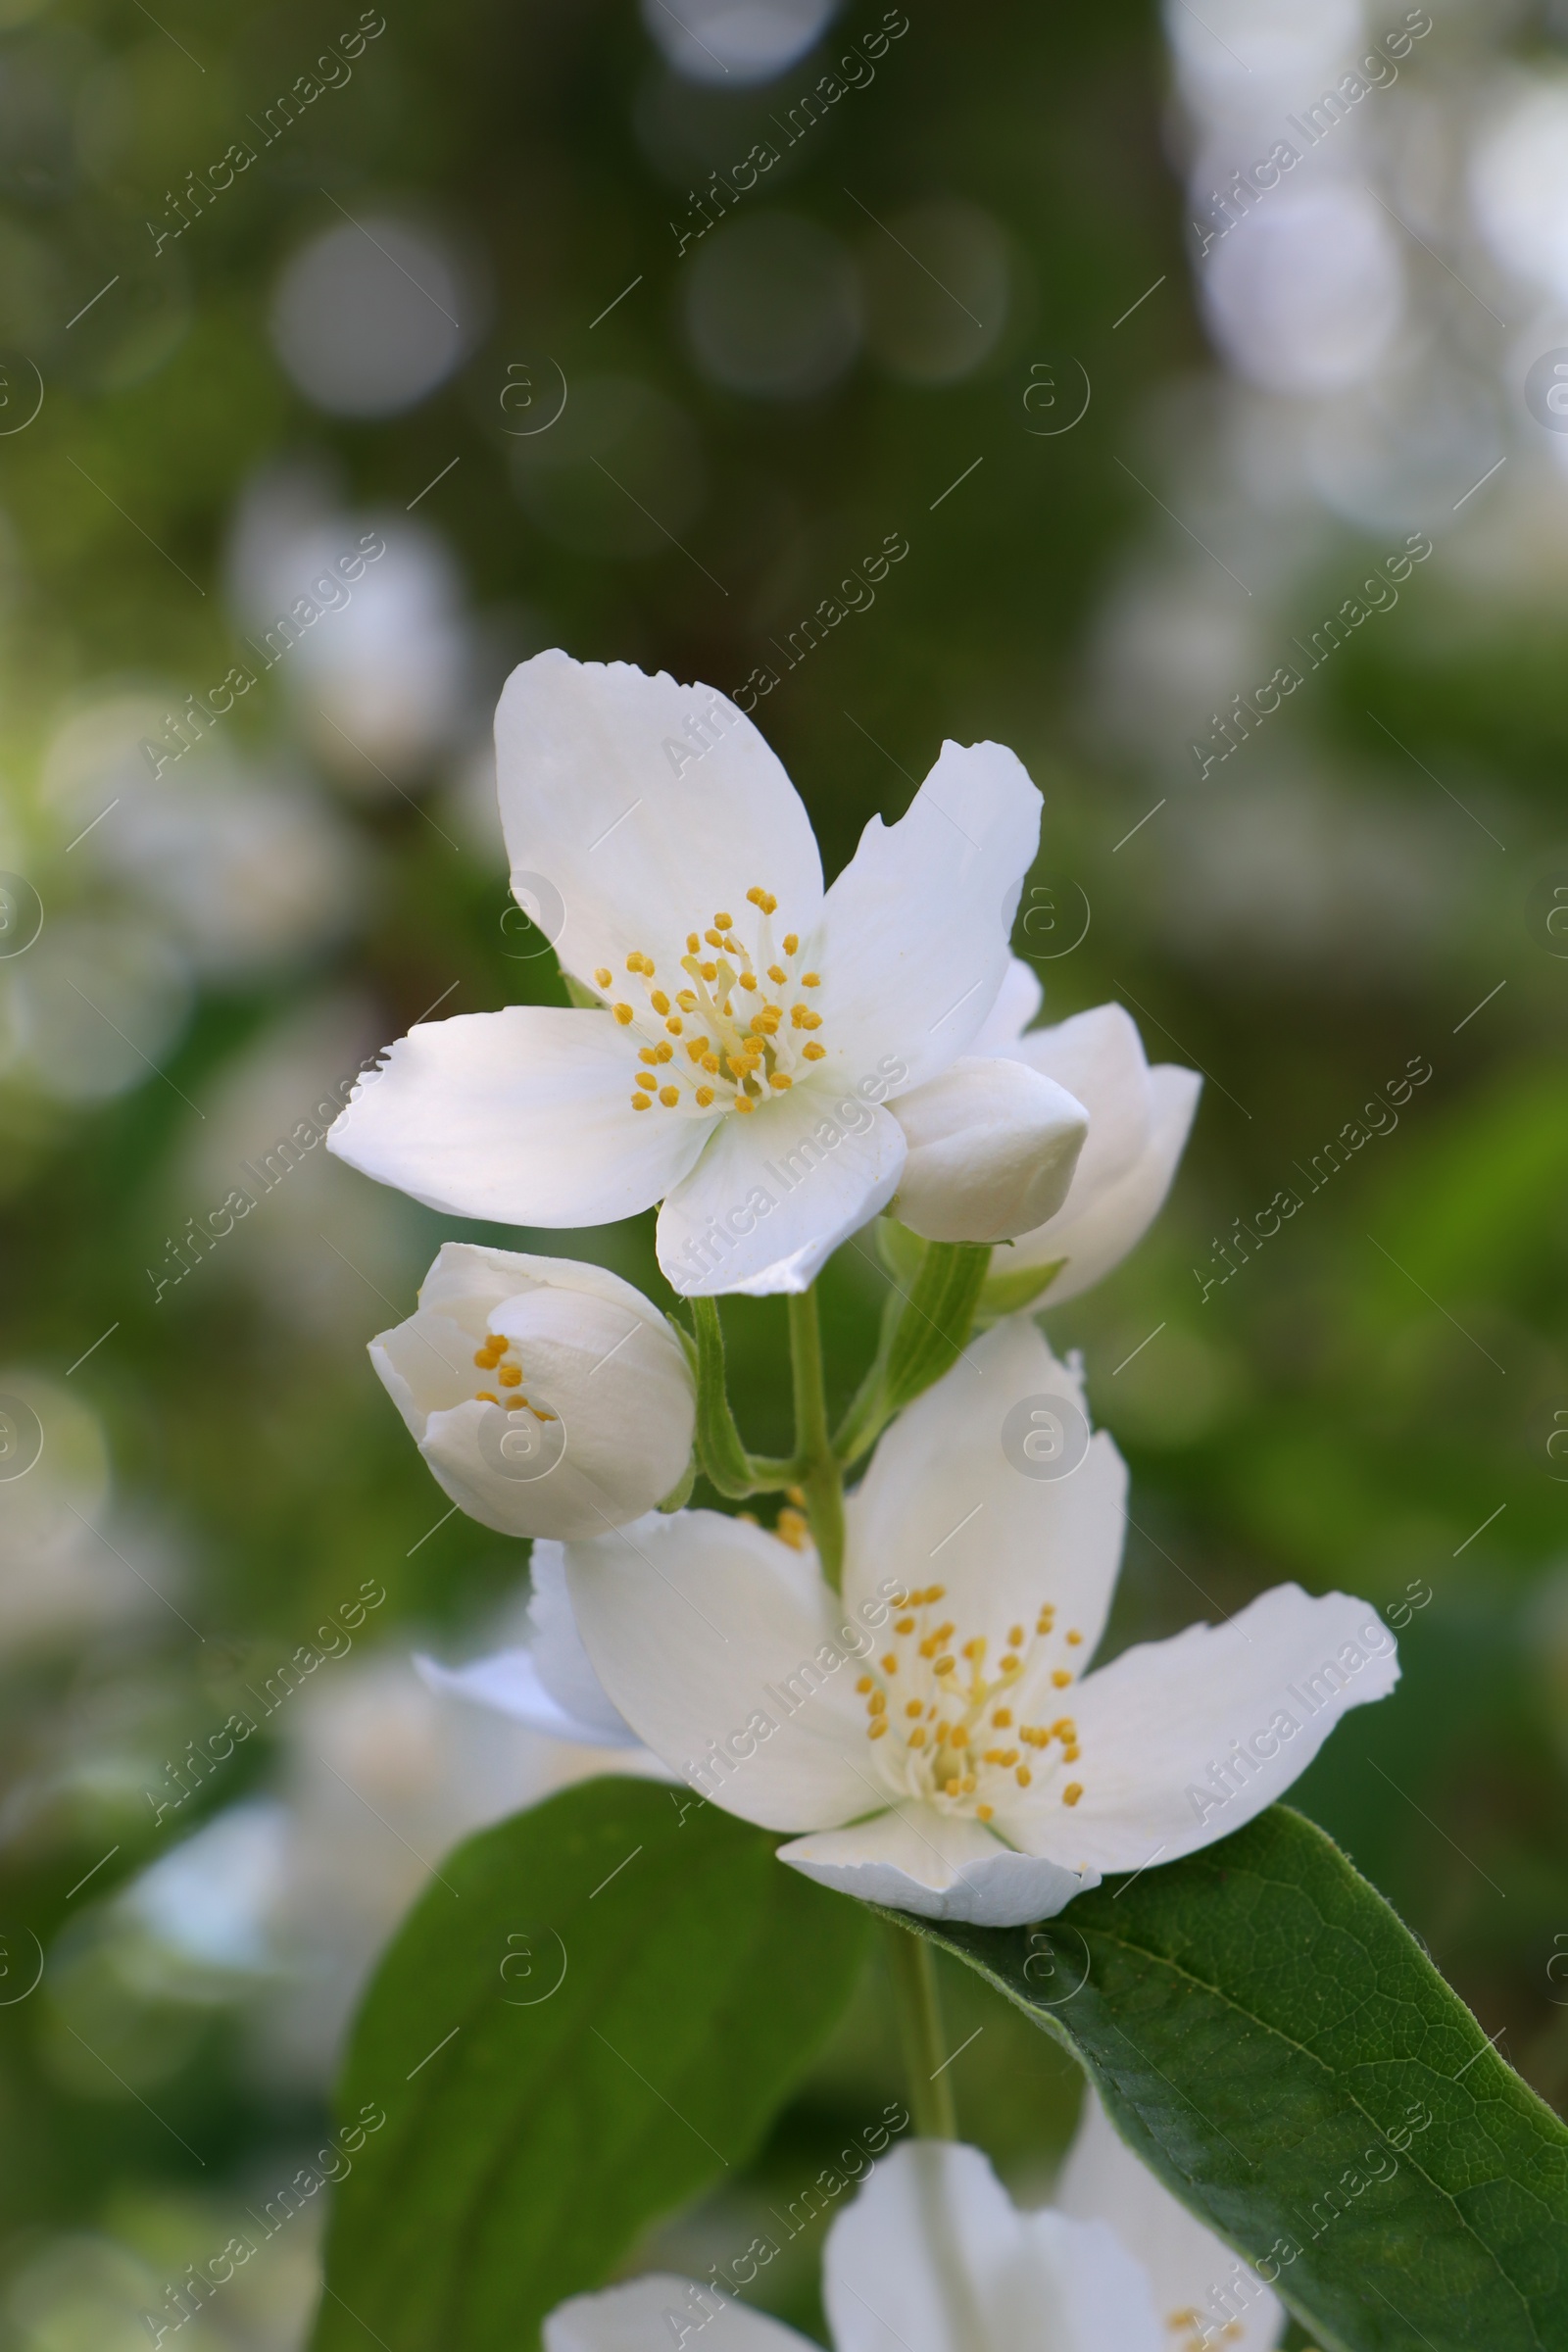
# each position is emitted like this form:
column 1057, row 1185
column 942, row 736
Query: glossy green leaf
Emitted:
column 592, row 2013
column 1273, row 2041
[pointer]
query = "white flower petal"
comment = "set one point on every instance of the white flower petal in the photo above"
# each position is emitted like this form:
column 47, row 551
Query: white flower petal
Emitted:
column 1101, row 1052
column 562, row 1665
column 993, row 1146
column 1160, row 1727
column 716, row 1643
column 933, row 2256
column 775, row 1193
column 915, row 930
column 1103, row 2180
column 523, row 1116
column 650, row 2314
column 468, row 1280
column 938, row 1865
column 609, row 798
column 1018, row 999
column 507, row 1681
column 1139, row 1121
column 945, row 1500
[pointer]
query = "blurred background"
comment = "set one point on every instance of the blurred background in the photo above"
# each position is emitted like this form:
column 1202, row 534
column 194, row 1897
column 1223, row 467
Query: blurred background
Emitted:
column 1163, row 344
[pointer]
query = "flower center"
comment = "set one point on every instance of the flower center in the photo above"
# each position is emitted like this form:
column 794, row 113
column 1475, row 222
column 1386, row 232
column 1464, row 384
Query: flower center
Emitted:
column 499, row 1356
column 741, row 1030
column 955, row 1733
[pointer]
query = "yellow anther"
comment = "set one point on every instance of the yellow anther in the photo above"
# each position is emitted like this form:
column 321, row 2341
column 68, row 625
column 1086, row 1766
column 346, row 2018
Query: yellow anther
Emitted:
column 953, row 1788
column 485, row 1396
column 705, row 1095
column 983, row 1812
column 975, row 1649
column 1003, row 1719
column 776, row 973
column 1073, row 1640
column 877, row 1703
column 912, row 1707
column 664, row 1052
column 967, row 1784
column 744, row 1102
column 658, row 1001
column 1023, row 1775
column 790, row 943
column 747, row 979
column 1072, row 1793
column 514, row 1402
column 624, row 1014
column 674, row 1024
column 686, row 998
column 917, row 1738
column 935, row 1592
column 1061, row 1677
column 603, row 976
column 794, row 1529
column 1070, row 1755
column 642, row 1101
column 647, row 1054
column 958, row 1736
column 692, row 942
column 709, row 971
column 890, row 1664
column 1008, row 1665
column 670, row 1096
column 815, row 1052
column 715, row 939
column 511, row 1376
column 874, row 1731
column 943, row 1666
column 726, row 922
column 1063, row 1728
column 484, row 1359
column 810, row 979
column 710, row 1064
column 1015, row 1637
column 782, row 1080
column 905, row 1625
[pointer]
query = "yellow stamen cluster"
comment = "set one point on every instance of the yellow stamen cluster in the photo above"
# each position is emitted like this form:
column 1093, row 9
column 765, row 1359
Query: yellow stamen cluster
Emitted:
column 745, row 1035
column 498, row 1355
column 960, row 1742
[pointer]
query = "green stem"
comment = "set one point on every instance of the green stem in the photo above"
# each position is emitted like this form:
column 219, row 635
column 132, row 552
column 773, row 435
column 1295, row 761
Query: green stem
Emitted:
column 912, row 1969
column 819, row 1475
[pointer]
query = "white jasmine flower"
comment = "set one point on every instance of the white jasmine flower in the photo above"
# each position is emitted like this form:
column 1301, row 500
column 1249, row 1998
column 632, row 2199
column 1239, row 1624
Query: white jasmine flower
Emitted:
column 1139, row 1119
column 752, row 1027
column 934, row 1732
column 933, row 2256
column 548, row 1397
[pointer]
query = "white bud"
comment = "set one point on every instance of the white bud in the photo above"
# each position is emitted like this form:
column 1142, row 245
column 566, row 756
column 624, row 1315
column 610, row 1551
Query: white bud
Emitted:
column 606, row 1431
column 992, row 1149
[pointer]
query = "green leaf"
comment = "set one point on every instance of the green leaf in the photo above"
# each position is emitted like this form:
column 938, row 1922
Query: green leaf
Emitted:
column 1267, row 2035
column 1007, row 1291
column 592, row 2015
